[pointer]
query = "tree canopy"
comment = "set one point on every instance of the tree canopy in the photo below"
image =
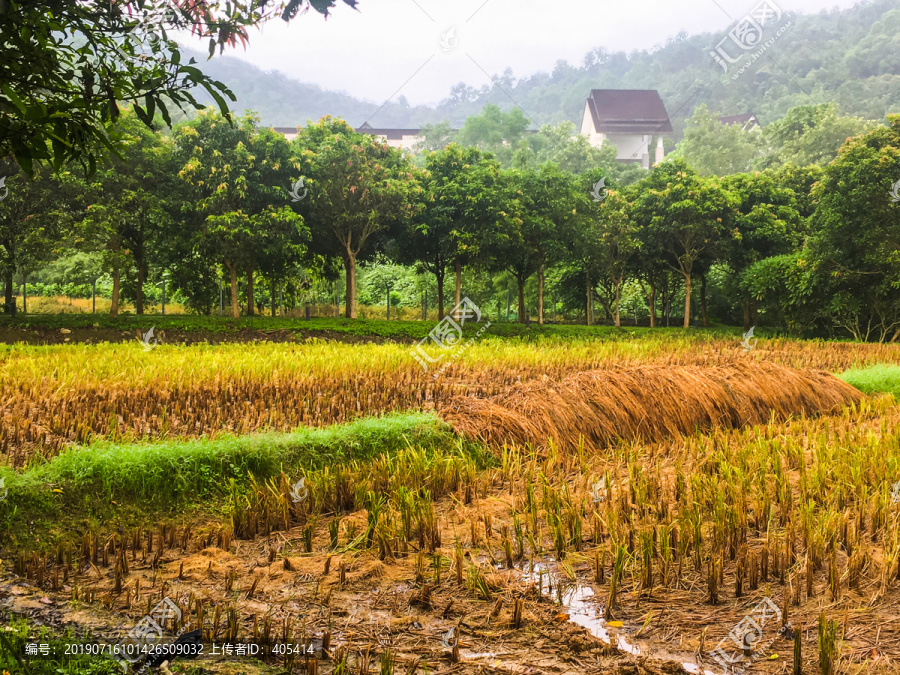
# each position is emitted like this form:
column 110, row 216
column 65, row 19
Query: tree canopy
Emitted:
column 68, row 66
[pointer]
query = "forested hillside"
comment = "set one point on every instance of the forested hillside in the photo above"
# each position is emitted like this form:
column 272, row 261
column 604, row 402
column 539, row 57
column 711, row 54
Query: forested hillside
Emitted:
column 848, row 57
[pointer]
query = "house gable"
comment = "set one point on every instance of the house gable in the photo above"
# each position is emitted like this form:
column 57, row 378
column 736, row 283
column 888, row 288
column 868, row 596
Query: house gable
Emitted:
column 630, row 119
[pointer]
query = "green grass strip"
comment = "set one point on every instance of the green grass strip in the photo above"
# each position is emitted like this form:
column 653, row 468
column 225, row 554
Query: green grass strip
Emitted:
column 186, row 472
column 880, row 378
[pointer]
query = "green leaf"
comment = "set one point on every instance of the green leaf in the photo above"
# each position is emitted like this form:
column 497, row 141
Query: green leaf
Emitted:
column 13, row 98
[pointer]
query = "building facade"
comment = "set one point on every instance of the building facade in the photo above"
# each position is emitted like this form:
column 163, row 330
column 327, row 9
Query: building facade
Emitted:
column 633, row 120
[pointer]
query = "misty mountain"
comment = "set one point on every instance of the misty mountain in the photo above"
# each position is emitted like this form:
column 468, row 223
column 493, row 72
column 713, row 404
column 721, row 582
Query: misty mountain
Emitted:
column 850, row 57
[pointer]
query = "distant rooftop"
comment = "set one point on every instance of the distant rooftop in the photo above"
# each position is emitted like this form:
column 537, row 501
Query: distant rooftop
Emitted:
column 744, row 120
column 628, row 111
column 389, row 134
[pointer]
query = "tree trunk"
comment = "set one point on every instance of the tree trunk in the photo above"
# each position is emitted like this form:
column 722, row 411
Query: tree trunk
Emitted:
column 589, row 313
column 273, row 297
column 232, row 271
column 541, row 295
column 652, row 299
column 350, row 262
column 618, row 289
column 440, row 291
column 251, row 305
column 703, row 301
column 746, row 303
column 521, row 283
column 458, row 267
column 687, row 300
column 139, row 287
column 114, row 306
column 346, row 289
column 8, row 290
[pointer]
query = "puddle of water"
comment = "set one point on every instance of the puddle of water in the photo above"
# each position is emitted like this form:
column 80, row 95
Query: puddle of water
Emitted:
column 575, row 601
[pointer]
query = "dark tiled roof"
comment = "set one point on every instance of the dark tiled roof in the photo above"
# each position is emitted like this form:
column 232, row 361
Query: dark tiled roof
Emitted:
column 739, row 119
column 390, row 134
column 285, row 130
column 628, row 111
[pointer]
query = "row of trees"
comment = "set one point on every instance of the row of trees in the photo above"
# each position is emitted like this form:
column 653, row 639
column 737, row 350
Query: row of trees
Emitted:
column 813, row 247
column 214, row 196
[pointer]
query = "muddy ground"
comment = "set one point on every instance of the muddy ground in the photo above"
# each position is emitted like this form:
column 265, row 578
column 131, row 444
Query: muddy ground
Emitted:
column 539, row 615
column 382, row 605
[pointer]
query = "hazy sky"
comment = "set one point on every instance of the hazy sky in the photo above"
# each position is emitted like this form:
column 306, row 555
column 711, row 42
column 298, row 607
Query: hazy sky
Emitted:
column 393, row 47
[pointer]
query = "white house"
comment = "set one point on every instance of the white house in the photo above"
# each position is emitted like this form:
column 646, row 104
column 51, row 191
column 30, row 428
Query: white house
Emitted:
column 631, row 119
column 396, row 138
column 289, row 133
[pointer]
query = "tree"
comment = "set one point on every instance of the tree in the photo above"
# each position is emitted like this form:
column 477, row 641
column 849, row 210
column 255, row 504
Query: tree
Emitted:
column 427, row 240
column 617, row 234
column 67, row 66
column 548, row 200
column 239, row 178
column 504, row 246
column 460, row 206
column 358, row 188
column 567, row 149
column 856, row 239
column 101, row 232
column 800, row 181
column 790, row 287
column 648, row 268
column 810, row 134
column 129, row 208
column 434, row 137
column 32, row 221
column 582, row 238
column 715, row 149
column 765, row 223
column 684, row 215
column 495, row 131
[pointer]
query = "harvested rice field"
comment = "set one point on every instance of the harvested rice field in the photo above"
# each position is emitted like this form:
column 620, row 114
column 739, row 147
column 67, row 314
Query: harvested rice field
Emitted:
column 626, row 503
